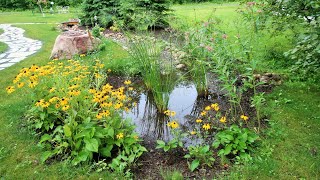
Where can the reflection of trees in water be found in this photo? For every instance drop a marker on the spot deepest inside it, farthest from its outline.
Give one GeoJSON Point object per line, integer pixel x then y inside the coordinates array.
{"type": "Point", "coordinates": [154, 123]}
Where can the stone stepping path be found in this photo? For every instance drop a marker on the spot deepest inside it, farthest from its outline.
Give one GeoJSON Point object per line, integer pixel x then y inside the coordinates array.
{"type": "Point", "coordinates": [20, 47]}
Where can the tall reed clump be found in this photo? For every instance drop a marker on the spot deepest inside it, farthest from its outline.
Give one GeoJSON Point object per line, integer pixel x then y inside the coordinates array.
{"type": "Point", "coordinates": [157, 73]}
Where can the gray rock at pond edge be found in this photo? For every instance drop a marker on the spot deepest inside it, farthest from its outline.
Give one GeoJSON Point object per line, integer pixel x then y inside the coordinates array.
{"type": "Point", "coordinates": [71, 43]}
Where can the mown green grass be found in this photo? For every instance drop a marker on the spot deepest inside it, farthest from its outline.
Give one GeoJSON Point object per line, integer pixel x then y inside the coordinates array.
{"type": "Point", "coordinates": [292, 150]}
{"type": "Point", "coordinates": [3, 46]}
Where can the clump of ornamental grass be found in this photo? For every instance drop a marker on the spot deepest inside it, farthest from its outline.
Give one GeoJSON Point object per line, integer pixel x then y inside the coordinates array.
{"type": "Point", "coordinates": [147, 52]}
{"type": "Point", "coordinates": [77, 114]}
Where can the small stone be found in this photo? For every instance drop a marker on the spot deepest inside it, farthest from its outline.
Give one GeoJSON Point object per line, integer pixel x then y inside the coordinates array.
{"type": "Point", "coordinates": [180, 66]}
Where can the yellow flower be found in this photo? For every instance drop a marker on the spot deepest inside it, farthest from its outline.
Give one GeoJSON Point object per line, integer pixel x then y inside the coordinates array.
{"type": "Point", "coordinates": [203, 113]}
{"type": "Point", "coordinates": [109, 70]}
{"type": "Point", "coordinates": [40, 102]}
{"type": "Point", "coordinates": [127, 82]}
{"type": "Point", "coordinates": [244, 117]}
{"type": "Point", "coordinates": [206, 126]}
{"type": "Point", "coordinates": [53, 99]}
{"type": "Point", "coordinates": [136, 137]}
{"type": "Point", "coordinates": [130, 88]}
{"type": "Point", "coordinates": [173, 124]}
{"type": "Point", "coordinates": [193, 132]}
{"type": "Point", "coordinates": [63, 101]}
{"type": "Point", "coordinates": [223, 119]}
{"type": "Point", "coordinates": [32, 84]}
{"type": "Point", "coordinates": [21, 84]}
{"type": "Point", "coordinates": [199, 121]}
{"type": "Point", "coordinates": [105, 113]}
{"type": "Point", "coordinates": [45, 104]}
{"type": "Point", "coordinates": [215, 106]}
{"type": "Point", "coordinates": [82, 55]}
{"type": "Point", "coordinates": [208, 108]}
{"type": "Point", "coordinates": [92, 91]}
{"type": "Point", "coordinates": [169, 113]}
{"type": "Point", "coordinates": [120, 136]}
{"type": "Point", "coordinates": [118, 105]}
{"type": "Point", "coordinates": [57, 106]}
{"type": "Point", "coordinates": [51, 90]}
{"type": "Point", "coordinates": [99, 116]}
{"type": "Point", "coordinates": [10, 89]}
{"type": "Point", "coordinates": [66, 107]}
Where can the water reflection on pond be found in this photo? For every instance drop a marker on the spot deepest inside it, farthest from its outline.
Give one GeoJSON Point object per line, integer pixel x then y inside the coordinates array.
{"type": "Point", "coordinates": [152, 124]}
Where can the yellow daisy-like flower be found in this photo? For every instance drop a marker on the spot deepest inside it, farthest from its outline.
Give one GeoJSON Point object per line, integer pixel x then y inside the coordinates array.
{"type": "Point", "coordinates": [51, 90]}
{"type": "Point", "coordinates": [99, 116]}
{"type": "Point", "coordinates": [208, 108]}
{"type": "Point", "coordinates": [206, 126]}
{"type": "Point", "coordinates": [215, 106]}
{"type": "Point", "coordinates": [223, 119]}
{"type": "Point", "coordinates": [63, 101]}
{"type": "Point", "coordinates": [173, 124]}
{"type": "Point", "coordinates": [203, 113]}
{"type": "Point", "coordinates": [57, 106]}
{"type": "Point", "coordinates": [127, 82]}
{"type": "Point", "coordinates": [66, 107]}
{"type": "Point", "coordinates": [130, 88]}
{"type": "Point", "coordinates": [120, 136]}
{"type": "Point", "coordinates": [10, 89]}
{"type": "Point", "coordinates": [193, 132]}
{"type": "Point", "coordinates": [199, 121]}
{"type": "Point", "coordinates": [109, 70]}
{"type": "Point", "coordinates": [21, 84]}
{"type": "Point", "coordinates": [82, 55]}
{"type": "Point", "coordinates": [33, 84]}
{"type": "Point", "coordinates": [244, 117]}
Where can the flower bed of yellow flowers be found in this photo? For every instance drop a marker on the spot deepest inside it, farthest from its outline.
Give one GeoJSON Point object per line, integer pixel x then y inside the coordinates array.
{"type": "Point", "coordinates": [76, 113]}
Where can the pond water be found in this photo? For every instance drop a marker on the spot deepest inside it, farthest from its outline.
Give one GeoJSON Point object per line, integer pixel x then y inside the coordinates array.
{"type": "Point", "coordinates": [184, 100]}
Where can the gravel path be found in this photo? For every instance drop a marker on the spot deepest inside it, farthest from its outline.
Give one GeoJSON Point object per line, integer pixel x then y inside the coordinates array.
{"type": "Point", "coordinates": [20, 47]}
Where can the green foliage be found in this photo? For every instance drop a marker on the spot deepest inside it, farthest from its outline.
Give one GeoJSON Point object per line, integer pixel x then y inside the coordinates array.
{"type": "Point", "coordinates": [201, 155]}
{"type": "Point", "coordinates": [127, 14]}
{"type": "Point", "coordinates": [236, 141]}
{"type": "Point", "coordinates": [305, 55]}
{"type": "Point", "coordinates": [98, 12]}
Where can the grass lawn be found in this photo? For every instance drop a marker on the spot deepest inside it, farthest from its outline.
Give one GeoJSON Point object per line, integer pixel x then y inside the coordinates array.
{"type": "Point", "coordinates": [290, 152]}
{"type": "Point", "coordinates": [3, 46]}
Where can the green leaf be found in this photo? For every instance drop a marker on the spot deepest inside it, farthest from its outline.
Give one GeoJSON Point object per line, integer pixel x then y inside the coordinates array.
{"type": "Point", "coordinates": [204, 149]}
{"type": "Point", "coordinates": [195, 163]}
{"type": "Point", "coordinates": [111, 132]}
{"type": "Point", "coordinates": [228, 149]}
{"type": "Point", "coordinates": [106, 152]}
{"type": "Point", "coordinates": [166, 148]}
{"type": "Point", "coordinates": [45, 137]}
{"type": "Point", "coordinates": [45, 156]}
{"type": "Point", "coordinates": [42, 116]}
{"type": "Point", "coordinates": [67, 130]}
{"type": "Point", "coordinates": [161, 143]}
{"type": "Point", "coordinates": [187, 156]}
{"type": "Point", "coordinates": [92, 145]}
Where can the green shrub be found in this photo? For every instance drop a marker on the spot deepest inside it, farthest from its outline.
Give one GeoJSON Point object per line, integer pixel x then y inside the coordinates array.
{"type": "Point", "coordinates": [235, 141]}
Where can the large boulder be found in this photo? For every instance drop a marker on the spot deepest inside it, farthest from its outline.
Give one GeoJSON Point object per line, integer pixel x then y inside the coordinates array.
{"type": "Point", "coordinates": [71, 43]}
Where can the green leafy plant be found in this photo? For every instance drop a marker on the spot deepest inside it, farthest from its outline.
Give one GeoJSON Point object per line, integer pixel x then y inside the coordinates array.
{"type": "Point", "coordinates": [235, 142]}
{"type": "Point", "coordinates": [201, 155]}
